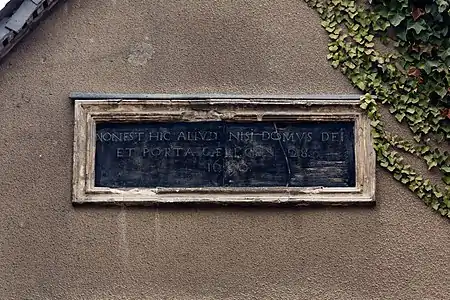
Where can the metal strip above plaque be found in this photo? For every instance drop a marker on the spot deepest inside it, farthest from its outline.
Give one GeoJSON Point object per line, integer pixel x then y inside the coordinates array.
{"type": "Point", "coordinates": [221, 148]}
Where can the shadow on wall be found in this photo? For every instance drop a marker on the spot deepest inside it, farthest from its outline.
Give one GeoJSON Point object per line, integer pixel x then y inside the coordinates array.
{"type": "Point", "coordinates": [229, 208]}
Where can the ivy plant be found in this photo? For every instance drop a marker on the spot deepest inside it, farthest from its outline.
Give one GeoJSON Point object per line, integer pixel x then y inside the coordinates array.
{"type": "Point", "coordinates": [412, 80]}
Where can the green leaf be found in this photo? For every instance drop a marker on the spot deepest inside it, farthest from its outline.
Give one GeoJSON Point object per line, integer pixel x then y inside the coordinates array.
{"type": "Point", "coordinates": [410, 110]}
{"type": "Point", "coordinates": [432, 164]}
{"type": "Point", "coordinates": [325, 23]}
{"type": "Point", "coordinates": [417, 26]}
{"type": "Point", "coordinates": [399, 116]}
{"type": "Point", "coordinates": [441, 91]}
{"type": "Point", "coordinates": [413, 187]}
{"type": "Point", "coordinates": [396, 19]}
{"type": "Point", "coordinates": [333, 48]}
{"type": "Point", "coordinates": [444, 53]}
{"type": "Point", "coordinates": [438, 194]}
{"type": "Point", "coordinates": [369, 37]}
{"type": "Point", "coordinates": [361, 85]}
{"type": "Point", "coordinates": [375, 123]}
{"type": "Point", "coordinates": [350, 64]}
{"type": "Point", "coordinates": [425, 149]}
{"type": "Point", "coordinates": [334, 36]}
{"type": "Point", "coordinates": [446, 179]}
{"type": "Point", "coordinates": [404, 180]}
{"type": "Point", "coordinates": [337, 30]}
{"type": "Point", "coordinates": [442, 5]}
{"type": "Point", "coordinates": [435, 206]}
{"type": "Point", "coordinates": [401, 34]}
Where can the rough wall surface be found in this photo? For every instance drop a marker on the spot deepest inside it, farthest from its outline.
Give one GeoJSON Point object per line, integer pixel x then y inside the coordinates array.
{"type": "Point", "coordinates": [52, 250]}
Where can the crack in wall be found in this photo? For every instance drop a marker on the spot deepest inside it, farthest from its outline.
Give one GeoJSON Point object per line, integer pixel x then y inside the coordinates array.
{"type": "Point", "coordinates": [288, 166]}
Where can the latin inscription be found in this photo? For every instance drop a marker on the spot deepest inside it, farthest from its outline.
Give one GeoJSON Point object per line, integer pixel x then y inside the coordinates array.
{"type": "Point", "coordinates": [225, 154]}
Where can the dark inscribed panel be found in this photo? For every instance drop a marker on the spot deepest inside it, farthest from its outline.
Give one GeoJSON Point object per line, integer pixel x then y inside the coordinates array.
{"type": "Point", "coordinates": [225, 154]}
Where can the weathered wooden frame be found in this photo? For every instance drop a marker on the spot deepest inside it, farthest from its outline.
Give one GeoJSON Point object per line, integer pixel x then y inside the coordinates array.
{"type": "Point", "coordinates": [91, 108]}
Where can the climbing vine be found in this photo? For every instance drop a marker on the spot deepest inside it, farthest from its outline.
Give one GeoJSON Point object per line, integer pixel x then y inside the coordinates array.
{"type": "Point", "coordinates": [399, 51]}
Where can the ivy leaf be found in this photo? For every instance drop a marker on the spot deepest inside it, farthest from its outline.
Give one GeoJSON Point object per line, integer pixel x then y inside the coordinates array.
{"type": "Point", "coordinates": [441, 91]}
{"type": "Point", "coordinates": [417, 26]}
{"type": "Point", "coordinates": [446, 179]}
{"type": "Point", "coordinates": [437, 194]}
{"type": "Point", "coordinates": [428, 65]}
{"type": "Point", "coordinates": [361, 85]}
{"type": "Point", "coordinates": [333, 48]}
{"type": "Point", "coordinates": [334, 36]}
{"type": "Point", "coordinates": [404, 180]}
{"type": "Point", "coordinates": [417, 13]}
{"type": "Point", "coordinates": [413, 187]}
{"type": "Point", "coordinates": [444, 31]}
{"type": "Point", "coordinates": [442, 5]}
{"type": "Point", "coordinates": [399, 116]}
{"type": "Point", "coordinates": [350, 65]}
{"type": "Point", "coordinates": [402, 35]}
{"type": "Point", "coordinates": [396, 19]}
{"type": "Point", "coordinates": [325, 23]}
{"type": "Point", "coordinates": [397, 176]}
{"type": "Point", "coordinates": [432, 64]}
{"type": "Point", "coordinates": [410, 110]}
{"type": "Point", "coordinates": [375, 123]}
{"type": "Point", "coordinates": [413, 72]}
{"type": "Point", "coordinates": [446, 111]}
{"type": "Point", "coordinates": [444, 54]}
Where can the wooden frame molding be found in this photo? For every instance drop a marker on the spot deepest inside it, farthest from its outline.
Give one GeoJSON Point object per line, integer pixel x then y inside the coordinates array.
{"type": "Point", "coordinates": [92, 108]}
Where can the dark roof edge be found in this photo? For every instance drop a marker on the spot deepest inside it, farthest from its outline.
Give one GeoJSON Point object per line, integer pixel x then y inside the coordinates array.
{"type": "Point", "coordinates": [18, 18]}
{"type": "Point", "coordinates": [104, 96]}
{"type": "Point", "coordinates": [9, 8]}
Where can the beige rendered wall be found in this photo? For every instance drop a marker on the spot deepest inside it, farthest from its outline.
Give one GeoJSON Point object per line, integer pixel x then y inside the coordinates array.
{"type": "Point", "coordinates": [52, 250]}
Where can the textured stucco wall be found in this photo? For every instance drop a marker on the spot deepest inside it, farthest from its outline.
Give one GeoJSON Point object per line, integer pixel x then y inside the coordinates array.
{"type": "Point", "coordinates": [52, 250]}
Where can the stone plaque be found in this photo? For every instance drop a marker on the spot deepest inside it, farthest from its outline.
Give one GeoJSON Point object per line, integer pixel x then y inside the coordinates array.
{"type": "Point", "coordinates": [170, 148]}
{"type": "Point", "coordinates": [225, 154]}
